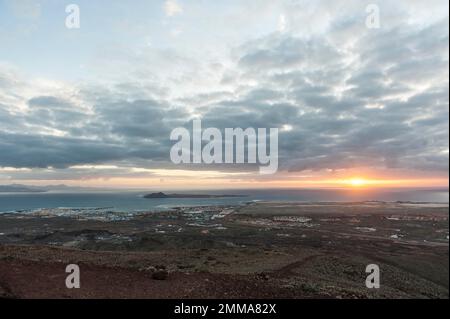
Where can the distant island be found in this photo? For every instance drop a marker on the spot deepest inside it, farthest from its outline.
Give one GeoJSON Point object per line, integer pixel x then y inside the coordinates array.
{"type": "Point", "coordinates": [163, 195]}
{"type": "Point", "coordinates": [19, 189]}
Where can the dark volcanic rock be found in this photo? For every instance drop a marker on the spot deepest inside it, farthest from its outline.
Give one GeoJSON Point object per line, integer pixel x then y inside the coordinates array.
{"type": "Point", "coordinates": [160, 275]}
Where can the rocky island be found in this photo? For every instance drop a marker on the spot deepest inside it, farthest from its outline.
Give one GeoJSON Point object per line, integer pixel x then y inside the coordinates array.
{"type": "Point", "coordinates": [163, 195]}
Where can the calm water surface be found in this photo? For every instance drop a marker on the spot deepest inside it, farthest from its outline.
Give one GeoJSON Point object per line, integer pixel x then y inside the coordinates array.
{"type": "Point", "coordinates": [128, 201]}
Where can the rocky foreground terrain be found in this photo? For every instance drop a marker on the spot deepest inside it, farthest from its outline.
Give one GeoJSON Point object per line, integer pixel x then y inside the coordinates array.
{"type": "Point", "coordinates": [259, 250]}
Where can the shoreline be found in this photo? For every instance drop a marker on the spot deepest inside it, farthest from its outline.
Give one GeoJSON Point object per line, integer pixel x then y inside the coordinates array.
{"type": "Point", "coordinates": [289, 202]}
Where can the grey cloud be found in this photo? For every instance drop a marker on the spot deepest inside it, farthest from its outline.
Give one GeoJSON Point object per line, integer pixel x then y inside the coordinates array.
{"type": "Point", "coordinates": [275, 53]}
{"type": "Point", "coordinates": [308, 84]}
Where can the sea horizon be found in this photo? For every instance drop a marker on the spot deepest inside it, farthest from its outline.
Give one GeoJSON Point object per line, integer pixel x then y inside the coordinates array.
{"type": "Point", "coordinates": [129, 200]}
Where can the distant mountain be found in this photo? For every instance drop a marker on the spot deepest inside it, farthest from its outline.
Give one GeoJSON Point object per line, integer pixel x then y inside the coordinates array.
{"type": "Point", "coordinates": [15, 188]}
{"type": "Point", "coordinates": [18, 188]}
{"type": "Point", "coordinates": [162, 195]}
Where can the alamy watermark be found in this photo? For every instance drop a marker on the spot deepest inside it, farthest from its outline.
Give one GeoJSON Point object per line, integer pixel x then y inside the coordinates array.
{"type": "Point", "coordinates": [73, 17]}
{"type": "Point", "coordinates": [73, 279]}
{"type": "Point", "coordinates": [373, 16]}
{"type": "Point", "coordinates": [373, 279]}
{"type": "Point", "coordinates": [235, 146]}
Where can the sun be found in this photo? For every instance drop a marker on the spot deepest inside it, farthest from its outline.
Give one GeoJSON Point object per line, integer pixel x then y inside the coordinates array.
{"type": "Point", "coordinates": [357, 182]}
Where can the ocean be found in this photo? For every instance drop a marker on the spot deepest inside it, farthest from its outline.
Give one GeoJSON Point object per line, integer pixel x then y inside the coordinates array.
{"type": "Point", "coordinates": [133, 201]}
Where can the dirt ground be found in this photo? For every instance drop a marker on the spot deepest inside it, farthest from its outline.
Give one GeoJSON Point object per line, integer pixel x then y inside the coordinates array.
{"type": "Point", "coordinates": [263, 250]}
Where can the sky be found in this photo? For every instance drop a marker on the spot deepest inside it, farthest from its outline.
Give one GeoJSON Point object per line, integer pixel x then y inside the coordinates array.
{"type": "Point", "coordinates": [94, 106]}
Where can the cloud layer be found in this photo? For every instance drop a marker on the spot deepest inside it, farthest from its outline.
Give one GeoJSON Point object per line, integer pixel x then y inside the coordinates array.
{"type": "Point", "coordinates": [343, 96]}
